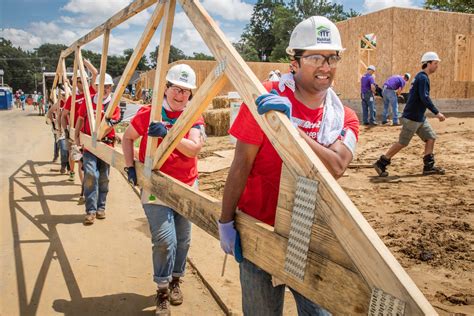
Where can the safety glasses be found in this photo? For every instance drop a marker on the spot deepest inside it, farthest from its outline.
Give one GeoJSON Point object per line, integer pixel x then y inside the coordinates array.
{"type": "Point", "coordinates": [318, 60]}
{"type": "Point", "coordinates": [178, 90]}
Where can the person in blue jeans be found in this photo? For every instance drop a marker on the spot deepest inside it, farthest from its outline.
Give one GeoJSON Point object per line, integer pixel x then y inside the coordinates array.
{"type": "Point", "coordinates": [391, 90]}
{"type": "Point", "coordinates": [170, 231]}
{"type": "Point", "coordinates": [254, 176]}
{"type": "Point", "coordinates": [367, 94]}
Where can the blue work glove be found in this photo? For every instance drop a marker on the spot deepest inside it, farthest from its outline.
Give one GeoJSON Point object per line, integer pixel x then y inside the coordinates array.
{"type": "Point", "coordinates": [273, 102]}
{"type": "Point", "coordinates": [111, 122]}
{"type": "Point", "coordinates": [230, 240]}
{"type": "Point", "coordinates": [131, 175]}
{"type": "Point", "coordinates": [157, 129]}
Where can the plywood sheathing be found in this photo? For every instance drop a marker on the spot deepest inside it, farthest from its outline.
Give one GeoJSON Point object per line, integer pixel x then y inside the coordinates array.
{"type": "Point", "coordinates": [403, 35]}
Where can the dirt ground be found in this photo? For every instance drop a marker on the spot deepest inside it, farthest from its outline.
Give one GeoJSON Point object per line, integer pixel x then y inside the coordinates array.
{"type": "Point", "coordinates": [51, 264]}
{"type": "Point", "coordinates": [426, 221]}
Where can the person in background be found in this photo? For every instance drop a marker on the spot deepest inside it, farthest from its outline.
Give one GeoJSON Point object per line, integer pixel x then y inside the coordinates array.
{"type": "Point", "coordinates": [392, 88]}
{"type": "Point", "coordinates": [414, 120]}
{"type": "Point", "coordinates": [367, 94]}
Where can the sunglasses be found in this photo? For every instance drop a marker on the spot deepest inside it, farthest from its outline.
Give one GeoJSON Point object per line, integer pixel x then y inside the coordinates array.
{"type": "Point", "coordinates": [318, 60]}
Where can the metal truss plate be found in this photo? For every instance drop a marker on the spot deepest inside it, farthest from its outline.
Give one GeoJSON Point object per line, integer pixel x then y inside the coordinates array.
{"type": "Point", "coordinates": [300, 229]}
{"type": "Point", "coordinates": [384, 304]}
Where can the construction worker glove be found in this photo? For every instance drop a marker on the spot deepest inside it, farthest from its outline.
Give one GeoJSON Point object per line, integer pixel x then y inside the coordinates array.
{"type": "Point", "coordinates": [230, 240]}
{"type": "Point", "coordinates": [131, 175]}
{"type": "Point", "coordinates": [273, 102]}
{"type": "Point", "coordinates": [111, 122]}
{"type": "Point", "coordinates": [157, 129]}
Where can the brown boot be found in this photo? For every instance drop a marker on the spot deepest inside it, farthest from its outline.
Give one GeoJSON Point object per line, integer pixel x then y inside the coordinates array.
{"type": "Point", "coordinates": [89, 219]}
{"type": "Point", "coordinates": [176, 296]}
{"type": "Point", "coordinates": [100, 214]}
{"type": "Point", "coordinates": [162, 303]}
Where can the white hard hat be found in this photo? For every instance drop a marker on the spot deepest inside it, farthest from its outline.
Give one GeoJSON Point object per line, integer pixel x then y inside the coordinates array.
{"type": "Point", "coordinates": [315, 33]}
{"type": "Point", "coordinates": [371, 67]}
{"type": "Point", "coordinates": [429, 56]}
{"type": "Point", "coordinates": [108, 80]}
{"type": "Point", "coordinates": [78, 74]}
{"type": "Point", "coordinates": [182, 75]}
{"type": "Point", "coordinates": [407, 75]}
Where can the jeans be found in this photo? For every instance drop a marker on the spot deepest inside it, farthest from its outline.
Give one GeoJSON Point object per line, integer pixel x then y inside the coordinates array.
{"type": "Point", "coordinates": [259, 297]}
{"type": "Point", "coordinates": [63, 149]}
{"type": "Point", "coordinates": [368, 107]}
{"type": "Point", "coordinates": [56, 147]}
{"type": "Point", "coordinates": [390, 99]}
{"type": "Point", "coordinates": [171, 237]}
{"type": "Point", "coordinates": [96, 182]}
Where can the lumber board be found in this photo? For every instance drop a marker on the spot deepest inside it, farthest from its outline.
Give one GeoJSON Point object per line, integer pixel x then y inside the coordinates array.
{"type": "Point", "coordinates": [342, 291]}
{"type": "Point", "coordinates": [103, 71]}
{"type": "Point", "coordinates": [142, 44]}
{"type": "Point", "coordinates": [87, 93]}
{"type": "Point", "coordinates": [129, 11]}
{"type": "Point", "coordinates": [72, 113]}
{"type": "Point", "coordinates": [159, 82]}
{"type": "Point", "coordinates": [373, 259]}
{"type": "Point", "coordinates": [323, 241]}
{"type": "Point", "coordinates": [209, 89]}
{"type": "Point", "coordinates": [67, 90]}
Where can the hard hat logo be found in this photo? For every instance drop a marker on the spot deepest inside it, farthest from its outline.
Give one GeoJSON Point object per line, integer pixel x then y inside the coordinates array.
{"type": "Point", "coordinates": [184, 76]}
{"type": "Point", "coordinates": [323, 35]}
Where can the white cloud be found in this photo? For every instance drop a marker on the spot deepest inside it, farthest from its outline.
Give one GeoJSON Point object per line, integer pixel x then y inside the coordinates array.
{"type": "Point", "coordinates": [25, 40]}
{"type": "Point", "coordinates": [229, 9]}
{"type": "Point", "coordinates": [105, 8]}
{"type": "Point", "coordinates": [374, 5]}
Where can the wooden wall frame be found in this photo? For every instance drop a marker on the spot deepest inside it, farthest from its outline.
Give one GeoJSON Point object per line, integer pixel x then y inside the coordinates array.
{"type": "Point", "coordinates": [347, 260]}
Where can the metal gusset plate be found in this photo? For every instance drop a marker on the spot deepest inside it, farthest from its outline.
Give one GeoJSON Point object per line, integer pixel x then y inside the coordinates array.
{"type": "Point", "coordinates": [384, 304]}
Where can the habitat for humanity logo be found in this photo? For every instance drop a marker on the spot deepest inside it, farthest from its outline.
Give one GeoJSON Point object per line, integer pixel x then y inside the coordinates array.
{"type": "Point", "coordinates": [323, 35]}
{"type": "Point", "coordinates": [184, 76]}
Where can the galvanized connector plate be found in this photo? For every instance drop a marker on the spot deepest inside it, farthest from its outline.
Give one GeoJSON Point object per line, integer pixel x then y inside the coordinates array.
{"type": "Point", "coordinates": [384, 304]}
{"type": "Point", "coordinates": [300, 230]}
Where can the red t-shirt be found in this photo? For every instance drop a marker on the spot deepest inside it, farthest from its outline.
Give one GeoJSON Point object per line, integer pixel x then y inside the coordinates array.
{"type": "Point", "coordinates": [260, 196]}
{"type": "Point", "coordinates": [83, 113]}
{"type": "Point", "coordinates": [80, 100]}
{"type": "Point", "coordinates": [178, 165]}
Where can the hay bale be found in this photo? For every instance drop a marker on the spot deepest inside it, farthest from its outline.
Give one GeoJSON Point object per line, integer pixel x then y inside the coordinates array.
{"type": "Point", "coordinates": [217, 122]}
{"type": "Point", "coordinates": [220, 102]}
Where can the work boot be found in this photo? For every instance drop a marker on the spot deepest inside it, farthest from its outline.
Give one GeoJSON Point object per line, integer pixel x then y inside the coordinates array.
{"type": "Point", "coordinates": [381, 165]}
{"type": "Point", "coordinates": [89, 219]}
{"type": "Point", "coordinates": [162, 303]}
{"type": "Point", "coordinates": [100, 214]}
{"type": "Point", "coordinates": [176, 296]}
{"type": "Point", "coordinates": [429, 167]}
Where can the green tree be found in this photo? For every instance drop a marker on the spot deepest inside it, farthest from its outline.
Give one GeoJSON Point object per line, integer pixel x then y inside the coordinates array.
{"type": "Point", "coordinates": [142, 64]}
{"type": "Point", "coordinates": [19, 71]}
{"type": "Point", "coordinates": [245, 50]}
{"type": "Point", "coordinates": [284, 22]}
{"type": "Point", "coordinates": [175, 54]}
{"type": "Point", "coordinates": [466, 6]}
{"type": "Point", "coordinates": [201, 56]}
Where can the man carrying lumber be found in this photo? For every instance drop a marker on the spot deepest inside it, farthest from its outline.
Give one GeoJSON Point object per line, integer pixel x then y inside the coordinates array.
{"type": "Point", "coordinates": [53, 115]}
{"type": "Point", "coordinates": [96, 171]}
{"type": "Point", "coordinates": [392, 88]}
{"type": "Point", "coordinates": [329, 128]}
{"type": "Point", "coordinates": [414, 120]}
{"type": "Point", "coordinates": [170, 231]}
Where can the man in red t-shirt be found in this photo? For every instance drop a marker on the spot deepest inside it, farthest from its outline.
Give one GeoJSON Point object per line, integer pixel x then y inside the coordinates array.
{"type": "Point", "coordinates": [170, 231]}
{"type": "Point", "coordinates": [96, 171]}
{"type": "Point", "coordinates": [329, 128]}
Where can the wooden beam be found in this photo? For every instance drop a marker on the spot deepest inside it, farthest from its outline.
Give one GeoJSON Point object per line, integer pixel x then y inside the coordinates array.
{"type": "Point", "coordinates": [129, 11]}
{"type": "Point", "coordinates": [159, 83]}
{"type": "Point", "coordinates": [72, 113]}
{"type": "Point", "coordinates": [343, 291]}
{"type": "Point", "coordinates": [375, 262]}
{"type": "Point", "coordinates": [103, 68]}
{"type": "Point", "coordinates": [65, 81]}
{"type": "Point", "coordinates": [87, 94]}
{"type": "Point", "coordinates": [131, 65]}
{"type": "Point", "coordinates": [368, 43]}
{"type": "Point", "coordinates": [209, 89]}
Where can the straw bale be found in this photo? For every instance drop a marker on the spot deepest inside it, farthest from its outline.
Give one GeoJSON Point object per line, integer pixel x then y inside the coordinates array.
{"type": "Point", "coordinates": [217, 122]}
{"type": "Point", "coordinates": [220, 102]}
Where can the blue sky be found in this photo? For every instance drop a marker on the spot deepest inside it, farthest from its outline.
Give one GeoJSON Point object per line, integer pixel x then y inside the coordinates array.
{"type": "Point", "coordinates": [30, 23]}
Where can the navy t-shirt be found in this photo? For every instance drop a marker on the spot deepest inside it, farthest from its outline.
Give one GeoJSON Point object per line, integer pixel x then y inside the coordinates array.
{"type": "Point", "coordinates": [419, 99]}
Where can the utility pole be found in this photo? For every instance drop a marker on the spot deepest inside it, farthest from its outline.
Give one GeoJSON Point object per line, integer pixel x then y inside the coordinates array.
{"type": "Point", "coordinates": [1, 74]}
